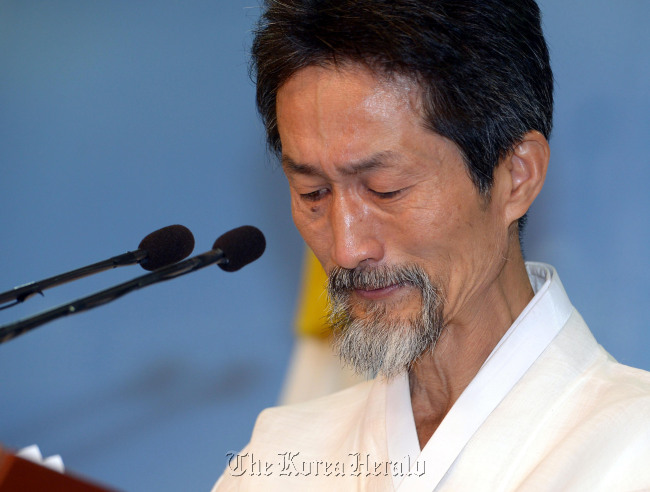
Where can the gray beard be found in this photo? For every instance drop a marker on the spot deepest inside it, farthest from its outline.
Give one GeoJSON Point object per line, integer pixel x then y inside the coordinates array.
{"type": "Point", "coordinates": [378, 343]}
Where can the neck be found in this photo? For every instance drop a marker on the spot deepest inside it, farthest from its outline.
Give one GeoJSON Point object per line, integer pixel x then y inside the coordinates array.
{"type": "Point", "coordinates": [439, 377]}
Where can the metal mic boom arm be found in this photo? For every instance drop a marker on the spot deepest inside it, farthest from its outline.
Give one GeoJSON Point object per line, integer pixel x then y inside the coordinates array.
{"type": "Point", "coordinates": [12, 330]}
{"type": "Point", "coordinates": [25, 291]}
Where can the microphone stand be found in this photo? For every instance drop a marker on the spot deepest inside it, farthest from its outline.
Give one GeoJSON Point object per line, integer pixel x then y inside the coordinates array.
{"type": "Point", "coordinates": [12, 330]}
{"type": "Point", "coordinates": [23, 292]}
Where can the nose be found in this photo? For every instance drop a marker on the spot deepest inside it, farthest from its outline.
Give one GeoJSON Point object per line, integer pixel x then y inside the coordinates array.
{"type": "Point", "coordinates": [355, 232]}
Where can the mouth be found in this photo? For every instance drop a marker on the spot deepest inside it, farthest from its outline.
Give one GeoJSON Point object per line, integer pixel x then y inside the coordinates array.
{"type": "Point", "coordinates": [377, 294]}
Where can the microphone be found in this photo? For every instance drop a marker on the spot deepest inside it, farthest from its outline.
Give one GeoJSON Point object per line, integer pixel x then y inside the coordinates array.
{"type": "Point", "coordinates": [160, 248]}
{"type": "Point", "coordinates": [240, 247]}
{"type": "Point", "coordinates": [166, 246]}
{"type": "Point", "coordinates": [231, 251]}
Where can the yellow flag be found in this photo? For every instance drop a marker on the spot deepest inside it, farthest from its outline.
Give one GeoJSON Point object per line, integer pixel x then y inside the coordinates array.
{"type": "Point", "coordinates": [311, 315]}
{"type": "Point", "coordinates": [314, 369]}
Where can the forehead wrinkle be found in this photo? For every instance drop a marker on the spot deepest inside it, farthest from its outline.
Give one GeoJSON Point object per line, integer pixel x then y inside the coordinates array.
{"type": "Point", "coordinates": [379, 160]}
{"type": "Point", "coordinates": [292, 167]}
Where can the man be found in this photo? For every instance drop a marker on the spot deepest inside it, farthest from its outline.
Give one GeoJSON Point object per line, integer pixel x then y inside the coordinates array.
{"type": "Point", "coordinates": [414, 138]}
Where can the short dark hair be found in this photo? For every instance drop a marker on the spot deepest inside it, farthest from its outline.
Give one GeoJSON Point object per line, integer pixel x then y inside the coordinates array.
{"type": "Point", "coordinates": [482, 65]}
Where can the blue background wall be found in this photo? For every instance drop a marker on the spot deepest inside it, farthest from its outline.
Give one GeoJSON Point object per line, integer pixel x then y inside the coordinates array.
{"type": "Point", "coordinates": [120, 117]}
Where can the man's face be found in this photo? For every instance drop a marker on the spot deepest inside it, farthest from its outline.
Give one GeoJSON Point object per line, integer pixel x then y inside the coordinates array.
{"type": "Point", "coordinates": [373, 190]}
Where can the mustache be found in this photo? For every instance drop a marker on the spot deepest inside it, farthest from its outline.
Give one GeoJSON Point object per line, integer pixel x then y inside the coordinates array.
{"type": "Point", "coordinates": [341, 280]}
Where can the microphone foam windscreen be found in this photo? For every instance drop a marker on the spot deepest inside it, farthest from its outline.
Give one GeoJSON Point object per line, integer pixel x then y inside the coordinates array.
{"type": "Point", "coordinates": [166, 246]}
{"type": "Point", "coordinates": [240, 246]}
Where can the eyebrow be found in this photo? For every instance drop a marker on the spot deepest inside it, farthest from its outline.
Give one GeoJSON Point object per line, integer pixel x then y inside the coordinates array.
{"type": "Point", "coordinates": [376, 161]}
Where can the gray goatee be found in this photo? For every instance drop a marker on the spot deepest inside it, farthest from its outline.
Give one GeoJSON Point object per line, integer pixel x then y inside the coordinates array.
{"type": "Point", "coordinates": [379, 342]}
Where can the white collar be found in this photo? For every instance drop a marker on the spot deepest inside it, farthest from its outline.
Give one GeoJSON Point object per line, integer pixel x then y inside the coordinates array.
{"type": "Point", "coordinates": [520, 346]}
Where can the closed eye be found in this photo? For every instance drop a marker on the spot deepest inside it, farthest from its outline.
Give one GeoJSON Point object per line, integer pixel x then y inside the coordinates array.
{"type": "Point", "coordinates": [314, 196]}
{"type": "Point", "coordinates": [385, 195]}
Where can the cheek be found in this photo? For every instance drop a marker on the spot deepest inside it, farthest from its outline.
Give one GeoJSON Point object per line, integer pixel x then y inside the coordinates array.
{"type": "Point", "coordinates": [428, 225]}
{"type": "Point", "coordinates": [313, 231]}
{"type": "Point", "coordinates": [302, 223]}
{"type": "Point", "coordinates": [448, 233]}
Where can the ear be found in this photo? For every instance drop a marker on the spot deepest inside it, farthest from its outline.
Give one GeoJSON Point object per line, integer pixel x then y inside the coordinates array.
{"type": "Point", "coordinates": [520, 176]}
